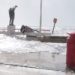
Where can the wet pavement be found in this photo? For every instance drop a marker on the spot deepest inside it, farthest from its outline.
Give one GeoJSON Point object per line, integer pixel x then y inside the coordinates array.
{"type": "Point", "coordinates": [11, 70]}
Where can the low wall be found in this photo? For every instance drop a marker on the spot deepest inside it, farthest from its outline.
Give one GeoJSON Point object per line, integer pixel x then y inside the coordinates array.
{"type": "Point", "coordinates": [55, 39]}
{"type": "Point", "coordinates": [44, 60]}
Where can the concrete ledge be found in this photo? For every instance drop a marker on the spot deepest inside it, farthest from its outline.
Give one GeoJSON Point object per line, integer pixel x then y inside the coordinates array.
{"type": "Point", "coordinates": [43, 60]}
{"type": "Point", "coordinates": [57, 39]}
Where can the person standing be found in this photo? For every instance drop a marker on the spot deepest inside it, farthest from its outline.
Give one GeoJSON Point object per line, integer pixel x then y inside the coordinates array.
{"type": "Point", "coordinates": [12, 15]}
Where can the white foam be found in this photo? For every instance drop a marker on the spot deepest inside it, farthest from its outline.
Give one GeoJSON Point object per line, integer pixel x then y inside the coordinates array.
{"type": "Point", "coordinates": [12, 44]}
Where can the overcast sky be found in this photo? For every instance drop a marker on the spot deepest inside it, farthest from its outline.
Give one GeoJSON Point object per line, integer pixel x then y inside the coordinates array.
{"type": "Point", "coordinates": [28, 12]}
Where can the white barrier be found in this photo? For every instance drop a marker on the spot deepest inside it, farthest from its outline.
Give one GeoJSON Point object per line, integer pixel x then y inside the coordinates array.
{"type": "Point", "coordinates": [43, 60]}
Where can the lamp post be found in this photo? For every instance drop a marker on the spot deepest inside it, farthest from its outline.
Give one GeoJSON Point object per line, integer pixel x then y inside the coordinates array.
{"type": "Point", "coordinates": [40, 16]}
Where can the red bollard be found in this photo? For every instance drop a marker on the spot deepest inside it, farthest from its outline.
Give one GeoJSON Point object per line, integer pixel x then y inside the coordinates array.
{"type": "Point", "coordinates": [70, 58]}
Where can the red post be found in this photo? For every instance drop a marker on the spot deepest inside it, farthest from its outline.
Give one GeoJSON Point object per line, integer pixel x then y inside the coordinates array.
{"type": "Point", "coordinates": [70, 56]}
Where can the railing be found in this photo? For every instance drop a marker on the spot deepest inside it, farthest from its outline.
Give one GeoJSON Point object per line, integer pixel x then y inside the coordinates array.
{"type": "Point", "coordinates": [62, 31]}
{"type": "Point", "coordinates": [2, 30]}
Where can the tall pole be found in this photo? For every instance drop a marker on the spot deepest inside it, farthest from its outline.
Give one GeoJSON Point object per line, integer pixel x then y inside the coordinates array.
{"type": "Point", "coordinates": [40, 16]}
